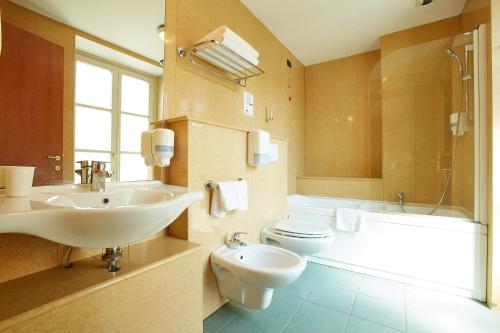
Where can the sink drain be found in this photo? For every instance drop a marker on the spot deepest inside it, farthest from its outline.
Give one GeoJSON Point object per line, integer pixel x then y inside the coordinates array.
{"type": "Point", "coordinates": [105, 200]}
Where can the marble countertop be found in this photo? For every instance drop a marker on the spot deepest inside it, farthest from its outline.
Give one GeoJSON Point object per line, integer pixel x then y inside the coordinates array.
{"type": "Point", "coordinates": [37, 293]}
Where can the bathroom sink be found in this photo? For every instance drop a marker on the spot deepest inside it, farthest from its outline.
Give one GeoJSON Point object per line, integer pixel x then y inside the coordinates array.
{"type": "Point", "coordinates": [110, 199]}
{"type": "Point", "coordinates": [127, 212]}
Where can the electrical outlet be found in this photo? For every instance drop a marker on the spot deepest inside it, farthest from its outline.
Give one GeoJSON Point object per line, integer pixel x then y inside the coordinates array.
{"type": "Point", "coordinates": [247, 104]}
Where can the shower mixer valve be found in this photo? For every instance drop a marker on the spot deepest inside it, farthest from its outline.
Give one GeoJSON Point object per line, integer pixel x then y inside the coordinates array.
{"type": "Point", "coordinates": [401, 197]}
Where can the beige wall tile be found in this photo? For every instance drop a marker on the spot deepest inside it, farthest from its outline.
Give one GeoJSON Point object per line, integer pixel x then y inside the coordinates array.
{"type": "Point", "coordinates": [340, 98]}
{"type": "Point", "coordinates": [23, 254]}
{"type": "Point", "coordinates": [177, 172]}
{"type": "Point", "coordinates": [204, 96]}
{"type": "Point", "coordinates": [416, 103]}
{"type": "Point", "coordinates": [159, 304]}
{"type": "Point", "coordinates": [493, 289]}
{"type": "Point", "coordinates": [350, 188]}
{"type": "Point", "coordinates": [228, 161]}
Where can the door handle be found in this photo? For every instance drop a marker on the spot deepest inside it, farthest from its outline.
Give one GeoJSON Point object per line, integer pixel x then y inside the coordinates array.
{"type": "Point", "coordinates": [57, 157]}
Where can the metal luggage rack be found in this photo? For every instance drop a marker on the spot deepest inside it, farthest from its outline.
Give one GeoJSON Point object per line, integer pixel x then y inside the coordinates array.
{"type": "Point", "coordinates": [224, 62]}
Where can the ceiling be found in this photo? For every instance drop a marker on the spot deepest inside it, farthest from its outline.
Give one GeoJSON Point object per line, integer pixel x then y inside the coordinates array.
{"type": "Point", "coordinates": [319, 30]}
{"type": "Point", "coordinates": [130, 24]}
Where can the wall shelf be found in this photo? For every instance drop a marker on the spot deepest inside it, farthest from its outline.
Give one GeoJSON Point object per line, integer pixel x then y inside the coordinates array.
{"type": "Point", "coordinates": [221, 61]}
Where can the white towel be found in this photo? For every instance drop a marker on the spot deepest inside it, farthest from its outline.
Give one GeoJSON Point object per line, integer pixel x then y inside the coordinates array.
{"type": "Point", "coordinates": [229, 196]}
{"type": "Point", "coordinates": [349, 219]}
{"type": "Point", "coordinates": [234, 42]}
{"type": "Point", "coordinates": [223, 33]}
{"type": "Point", "coordinates": [215, 206]}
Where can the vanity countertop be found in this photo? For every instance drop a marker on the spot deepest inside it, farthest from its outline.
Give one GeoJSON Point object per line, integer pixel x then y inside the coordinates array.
{"type": "Point", "coordinates": [31, 295]}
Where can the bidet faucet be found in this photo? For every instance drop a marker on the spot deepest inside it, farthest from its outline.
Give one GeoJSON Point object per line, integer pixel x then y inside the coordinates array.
{"type": "Point", "coordinates": [235, 242]}
{"type": "Point", "coordinates": [99, 175]}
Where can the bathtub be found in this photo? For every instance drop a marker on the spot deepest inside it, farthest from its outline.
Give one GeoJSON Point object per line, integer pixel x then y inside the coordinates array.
{"type": "Point", "coordinates": [445, 251]}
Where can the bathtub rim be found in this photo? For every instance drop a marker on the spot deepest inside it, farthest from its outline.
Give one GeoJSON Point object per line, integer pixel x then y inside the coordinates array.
{"type": "Point", "coordinates": [459, 224]}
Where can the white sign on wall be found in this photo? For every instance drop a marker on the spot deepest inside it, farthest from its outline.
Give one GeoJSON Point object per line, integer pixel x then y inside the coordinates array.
{"type": "Point", "coordinates": [247, 104]}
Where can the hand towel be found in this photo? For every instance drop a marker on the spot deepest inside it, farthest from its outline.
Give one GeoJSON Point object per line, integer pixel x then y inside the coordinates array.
{"type": "Point", "coordinates": [216, 206]}
{"type": "Point", "coordinates": [229, 196]}
{"type": "Point", "coordinates": [349, 219]}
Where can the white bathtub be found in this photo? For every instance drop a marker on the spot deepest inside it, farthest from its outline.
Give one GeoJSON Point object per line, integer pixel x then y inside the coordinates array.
{"type": "Point", "coordinates": [446, 251]}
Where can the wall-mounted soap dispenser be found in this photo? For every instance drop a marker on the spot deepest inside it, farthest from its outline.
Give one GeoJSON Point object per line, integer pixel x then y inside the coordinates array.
{"type": "Point", "coordinates": [157, 147]}
{"type": "Point", "coordinates": [258, 148]}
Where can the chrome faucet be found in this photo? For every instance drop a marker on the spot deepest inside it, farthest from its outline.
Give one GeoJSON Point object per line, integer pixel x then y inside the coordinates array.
{"type": "Point", "coordinates": [401, 197]}
{"type": "Point", "coordinates": [85, 171]}
{"type": "Point", "coordinates": [99, 175]}
{"type": "Point", "coordinates": [235, 242]}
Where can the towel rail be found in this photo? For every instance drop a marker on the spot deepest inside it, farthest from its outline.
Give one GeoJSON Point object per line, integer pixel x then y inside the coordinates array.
{"type": "Point", "coordinates": [224, 62]}
{"type": "Point", "coordinates": [211, 185]}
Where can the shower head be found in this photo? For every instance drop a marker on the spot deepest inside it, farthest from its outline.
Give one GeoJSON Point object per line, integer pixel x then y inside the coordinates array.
{"type": "Point", "coordinates": [453, 55]}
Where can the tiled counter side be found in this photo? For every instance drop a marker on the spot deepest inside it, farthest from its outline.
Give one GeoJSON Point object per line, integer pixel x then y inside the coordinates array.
{"type": "Point", "coordinates": [158, 289]}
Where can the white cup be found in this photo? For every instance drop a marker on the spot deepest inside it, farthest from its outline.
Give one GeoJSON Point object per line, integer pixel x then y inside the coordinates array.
{"type": "Point", "coordinates": [18, 180]}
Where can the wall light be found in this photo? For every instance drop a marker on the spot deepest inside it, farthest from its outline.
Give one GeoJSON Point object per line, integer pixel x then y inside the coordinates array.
{"type": "Point", "coordinates": [161, 31]}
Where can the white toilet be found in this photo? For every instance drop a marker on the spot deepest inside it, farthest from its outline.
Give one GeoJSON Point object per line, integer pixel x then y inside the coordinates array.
{"type": "Point", "coordinates": [298, 236]}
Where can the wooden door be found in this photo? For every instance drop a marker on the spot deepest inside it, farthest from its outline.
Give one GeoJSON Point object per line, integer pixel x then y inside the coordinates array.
{"type": "Point", "coordinates": [31, 103]}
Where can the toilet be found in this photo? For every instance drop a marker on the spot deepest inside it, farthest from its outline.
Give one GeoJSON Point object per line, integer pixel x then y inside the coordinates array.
{"type": "Point", "coordinates": [298, 236]}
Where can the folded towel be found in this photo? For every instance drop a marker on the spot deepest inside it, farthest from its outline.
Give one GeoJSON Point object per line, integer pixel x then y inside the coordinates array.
{"type": "Point", "coordinates": [349, 219]}
{"type": "Point", "coordinates": [224, 34]}
{"type": "Point", "coordinates": [234, 42]}
{"type": "Point", "coordinates": [229, 196]}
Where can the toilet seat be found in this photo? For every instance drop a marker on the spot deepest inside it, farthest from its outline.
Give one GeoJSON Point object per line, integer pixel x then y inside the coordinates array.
{"type": "Point", "coordinates": [288, 234]}
{"type": "Point", "coordinates": [298, 236]}
{"type": "Point", "coordinates": [301, 229]}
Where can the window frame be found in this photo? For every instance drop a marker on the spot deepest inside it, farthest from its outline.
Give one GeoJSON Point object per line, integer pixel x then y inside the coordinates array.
{"type": "Point", "coordinates": [116, 112]}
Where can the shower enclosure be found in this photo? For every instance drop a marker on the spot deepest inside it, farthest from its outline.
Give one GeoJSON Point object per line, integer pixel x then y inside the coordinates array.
{"type": "Point", "coordinates": [425, 220]}
{"type": "Point", "coordinates": [432, 145]}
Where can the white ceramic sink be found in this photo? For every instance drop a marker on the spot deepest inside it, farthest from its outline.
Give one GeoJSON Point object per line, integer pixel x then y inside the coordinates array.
{"type": "Point", "coordinates": [127, 212]}
{"type": "Point", "coordinates": [249, 274]}
{"type": "Point", "coordinates": [110, 199]}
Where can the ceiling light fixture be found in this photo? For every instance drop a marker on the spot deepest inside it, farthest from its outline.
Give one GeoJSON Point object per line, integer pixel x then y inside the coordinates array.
{"type": "Point", "coordinates": [424, 2]}
{"type": "Point", "coordinates": [161, 31]}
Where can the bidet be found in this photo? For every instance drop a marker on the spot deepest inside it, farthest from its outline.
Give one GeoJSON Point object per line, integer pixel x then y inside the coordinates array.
{"type": "Point", "coordinates": [248, 275]}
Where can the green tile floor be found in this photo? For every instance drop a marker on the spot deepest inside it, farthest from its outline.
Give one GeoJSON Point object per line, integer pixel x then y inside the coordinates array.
{"type": "Point", "coordinates": [326, 299]}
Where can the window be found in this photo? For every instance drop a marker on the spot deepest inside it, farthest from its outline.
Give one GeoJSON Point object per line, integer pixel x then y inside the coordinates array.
{"type": "Point", "coordinates": [113, 106]}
